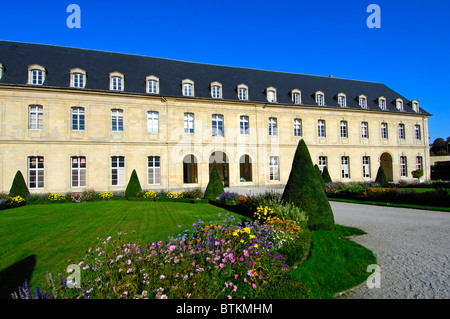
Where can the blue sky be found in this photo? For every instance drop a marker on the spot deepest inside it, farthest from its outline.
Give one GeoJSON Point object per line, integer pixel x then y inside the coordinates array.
{"type": "Point", "coordinates": [409, 53]}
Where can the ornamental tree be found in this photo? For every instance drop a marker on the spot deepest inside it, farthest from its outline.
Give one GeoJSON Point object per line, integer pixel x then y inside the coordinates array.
{"type": "Point", "coordinates": [304, 190]}
{"type": "Point", "coordinates": [19, 187]}
{"type": "Point", "coordinates": [215, 186]}
{"type": "Point", "coordinates": [133, 187]}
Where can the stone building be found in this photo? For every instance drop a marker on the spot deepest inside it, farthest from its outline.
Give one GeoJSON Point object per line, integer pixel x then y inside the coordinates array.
{"type": "Point", "coordinates": [75, 119]}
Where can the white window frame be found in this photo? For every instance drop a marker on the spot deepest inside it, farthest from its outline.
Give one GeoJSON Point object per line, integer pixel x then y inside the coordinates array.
{"type": "Point", "coordinates": [417, 132]}
{"type": "Point", "coordinates": [218, 125]}
{"type": "Point", "coordinates": [298, 128]}
{"type": "Point", "coordinates": [273, 126]}
{"type": "Point", "coordinates": [36, 74]}
{"type": "Point", "coordinates": [344, 129]}
{"type": "Point", "coordinates": [320, 98]}
{"type": "Point", "coordinates": [342, 100]}
{"type": "Point", "coordinates": [271, 94]}
{"type": "Point", "coordinates": [321, 128]}
{"type": "Point", "coordinates": [382, 103]}
{"type": "Point", "coordinates": [401, 131]}
{"type": "Point", "coordinates": [364, 129]}
{"type": "Point", "coordinates": [362, 100]}
{"type": "Point", "coordinates": [153, 170]}
{"type": "Point", "coordinates": [323, 162]}
{"type": "Point", "coordinates": [345, 167]}
{"type": "Point", "coordinates": [216, 90]}
{"type": "Point", "coordinates": [116, 81]}
{"type": "Point", "coordinates": [78, 78]}
{"type": "Point", "coordinates": [399, 105]}
{"type": "Point", "coordinates": [244, 125]}
{"type": "Point", "coordinates": [117, 171]}
{"type": "Point", "coordinates": [384, 131]}
{"type": "Point", "coordinates": [2, 71]}
{"type": "Point", "coordinates": [35, 117]}
{"type": "Point", "coordinates": [152, 122]}
{"type": "Point", "coordinates": [188, 87]}
{"type": "Point", "coordinates": [296, 96]}
{"type": "Point", "coordinates": [78, 118]}
{"type": "Point", "coordinates": [274, 168]}
{"type": "Point", "coordinates": [78, 170]}
{"type": "Point", "coordinates": [242, 90]}
{"type": "Point", "coordinates": [37, 172]}
{"type": "Point", "coordinates": [117, 120]}
{"type": "Point", "coordinates": [415, 105]}
{"type": "Point", "coordinates": [189, 123]}
{"type": "Point", "coordinates": [403, 166]}
{"type": "Point", "coordinates": [366, 166]}
{"type": "Point", "coordinates": [152, 84]}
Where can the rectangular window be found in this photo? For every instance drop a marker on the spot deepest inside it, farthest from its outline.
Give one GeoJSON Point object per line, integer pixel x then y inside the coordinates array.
{"type": "Point", "coordinates": [152, 122]}
{"type": "Point", "coordinates": [363, 102]}
{"type": "Point", "coordinates": [364, 130]}
{"type": "Point", "coordinates": [382, 104]}
{"type": "Point", "coordinates": [117, 120]}
{"type": "Point", "coordinates": [78, 80]}
{"type": "Point", "coordinates": [321, 128]}
{"type": "Point", "coordinates": [400, 105]}
{"type": "Point", "coordinates": [187, 89]}
{"type": "Point", "coordinates": [78, 119]}
{"type": "Point", "coordinates": [417, 132]}
{"type": "Point", "coordinates": [244, 125]}
{"type": "Point", "coordinates": [344, 129]}
{"type": "Point", "coordinates": [116, 83]}
{"type": "Point", "coordinates": [216, 92]}
{"type": "Point", "coordinates": [403, 166]}
{"type": "Point", "coordinates": [384, 131]}
{"type": "Point", "coordinates": [36, 117]}
{"type": "Point", "coordinates": [297, 127]}
{"type": "Point", "coordinates": [37, 77]}
{"type": "Point", "coordinates": [274, 169]}
{"type": "Point", "coordinates": [35, 172]}
{"type": "Point", "coordinates": [273, 126]}
{"type": "Point", "coordinates": [189, 123]}
{"type": "Point", "coordinates": [345, 167]}
{"type": "Point", "coordinates": [242, 94]}
{"type": "Point", "coordinates": [117, 171]}
{"type": "Point", "coordinates": [152, 86]}
{"type": "Point", "coordinates": [217, 125]}
{"type": "Point", "coordinates": [319, 99]}
{"type": "Point", "coordinates": [154, 170]}
{"type": "Point", "coordinates": [78, 171]}
{"type": "Point", "coordinates": [366, 166]}
{"type": "Point", "coordinates": [419, 162]}
{"type": "Point", "coordinates": [341, 101]}
{"type": "Point", "coordinates": [322, 163]}
{"type": "Point", "coordinates": [401, 131]}
{"type": "Point", "coordinates": [296, 98]}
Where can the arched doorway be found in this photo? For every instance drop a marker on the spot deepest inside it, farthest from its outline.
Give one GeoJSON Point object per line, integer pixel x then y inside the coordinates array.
{"type": "Point", "coordinates": [190, 171]}
{"type": "Point", "coordinates": [220, 160]}
{"type": "Point", "coordinates": [386, 163]}
{"type": "Point", "coordinates": [245, 168]}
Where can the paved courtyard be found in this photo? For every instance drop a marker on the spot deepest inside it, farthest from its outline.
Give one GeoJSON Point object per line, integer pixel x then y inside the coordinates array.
{"type": "Point", "coordinates": [412, 248]}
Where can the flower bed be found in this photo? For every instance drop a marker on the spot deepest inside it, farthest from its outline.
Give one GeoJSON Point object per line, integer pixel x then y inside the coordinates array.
{"type": "Point", "coordinates": [12, 202]}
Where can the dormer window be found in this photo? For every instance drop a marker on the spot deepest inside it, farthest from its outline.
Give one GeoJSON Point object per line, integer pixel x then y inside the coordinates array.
{"type": "Point", "coordinates": [362, 99]}
{"type": "Point", "coordinates": [77, 78]}
{"type": "Point", "coordinates": [415, 105]}
{"type": "Point", "coordinates": [116, 81]}
{"type": "Point", "coordinates": [36, 74]}
{"type": "Point", "coordinates": [342, 100]}
{"type": "Point", "coordinates": [242, 90]}
{"type": "Point", "coordinates": [2, 70]}
{"type": "Point", "coordinates": [382, 103]}
{"type": "Point", "coordinates": [320, 98]}
{"type": "Point", "coordinates": [296, 96]}
{"type": "Point", "coordinates": [152, 84]}
{"type": "Point", "coordinates": [188, 87]}
{"type": "Point", "coordinates": [399, 104]}
{"type": "Point", "coordinates": [271, 94]}
{"type": "Point", "coordinates": [216, 90]}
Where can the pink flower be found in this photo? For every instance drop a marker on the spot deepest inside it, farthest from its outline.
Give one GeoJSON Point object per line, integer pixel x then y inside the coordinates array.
{"type": "Point", "coordinates": [172, 247]}
{"type": "Point", "coordinates": [221, 265]}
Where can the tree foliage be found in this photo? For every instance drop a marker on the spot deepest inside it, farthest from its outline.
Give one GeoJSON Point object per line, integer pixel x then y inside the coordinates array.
{"type": "Point", "coordinates": [215, 186]}
{"type": "Point", "coordinates": [133, 186]}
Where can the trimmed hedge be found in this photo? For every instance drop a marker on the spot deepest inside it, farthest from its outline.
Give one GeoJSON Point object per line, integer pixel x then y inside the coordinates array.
{"type": "Point", "coordinates": [215, 187]}
{"type": "Point", "coordinates": [19, 187]}
{"type": "Point", "coordinates": [133, 187]}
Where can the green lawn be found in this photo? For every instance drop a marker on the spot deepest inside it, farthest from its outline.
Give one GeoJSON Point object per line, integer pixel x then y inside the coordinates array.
{"type": "Point", "coordinates": [50, 235]}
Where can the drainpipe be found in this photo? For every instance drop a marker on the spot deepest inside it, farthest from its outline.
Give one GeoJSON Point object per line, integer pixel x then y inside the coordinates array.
{"type": "Point", "coordinates": [163, 99]}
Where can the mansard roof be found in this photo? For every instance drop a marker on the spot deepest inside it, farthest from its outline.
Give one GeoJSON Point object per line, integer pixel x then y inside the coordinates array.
{"type": "Point", "coordinates": [58, 61]}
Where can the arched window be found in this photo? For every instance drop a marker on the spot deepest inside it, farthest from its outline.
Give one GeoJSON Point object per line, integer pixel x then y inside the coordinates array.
{"type": "Point", "coordinates": [245, 168]}
{"type": "Point", "coordinates": [190, 172]}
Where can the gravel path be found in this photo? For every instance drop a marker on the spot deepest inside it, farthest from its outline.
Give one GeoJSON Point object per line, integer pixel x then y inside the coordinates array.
{"type": "Point", "coordinates": [412, 249]}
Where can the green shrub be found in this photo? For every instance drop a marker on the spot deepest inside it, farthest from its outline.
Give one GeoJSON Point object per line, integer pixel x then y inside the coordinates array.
{"type": "Point", "coordinates": [19, 187]}
{"type": "Point", "coordinates": [418, 173]}
{"type": "Point", "coordinates": [133, 187]}
{"type": "Point", "coordinates": [287, 211]}
{"type": "Point", "coordinates": [193, 193]}
{"type": "Point", "coordinates": [215, 187]}
{"type": "Point", "coordinates": [319, 175]}
{"type": "Point", "coordinates": [381, 177]}
{"type": "Point", "coordinates": [326, 176]}
{"type": "Point", "coordinates": [294, 251]}
{"type": "Point", "coordinates": [304, 190]}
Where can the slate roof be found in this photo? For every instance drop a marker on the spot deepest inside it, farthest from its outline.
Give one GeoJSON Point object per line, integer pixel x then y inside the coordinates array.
{"type": "Point", "coordinates": [58, 61]}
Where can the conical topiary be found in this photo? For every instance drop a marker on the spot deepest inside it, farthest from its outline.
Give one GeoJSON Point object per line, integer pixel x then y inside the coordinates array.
{"type": "Point", "coordinates": [381, 177]}
{"type": "Point", "coordinates": [303, 189]}
{"type": "Point", "coordinates": [19, 187]}
{"type": "Point", "coordinates": [319, 175]}
{"type": "Point", "coordinates": [326, 176]}
{"type": "Point", "coordinates": [215, 187]}
{"type": "Point", "coordinates": [133, 186]}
